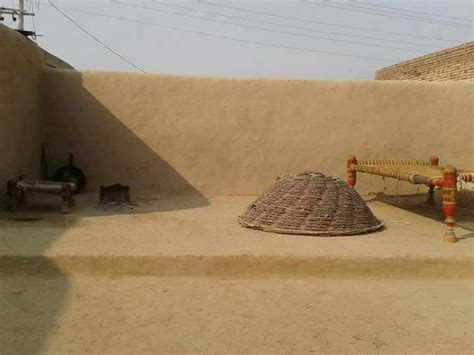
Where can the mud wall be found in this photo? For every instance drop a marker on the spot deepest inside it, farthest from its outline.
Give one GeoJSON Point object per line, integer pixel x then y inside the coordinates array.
{"type": "Point", "coordinates": [235, 136]}
{"type": "Point", "coordinates": [20, 68]}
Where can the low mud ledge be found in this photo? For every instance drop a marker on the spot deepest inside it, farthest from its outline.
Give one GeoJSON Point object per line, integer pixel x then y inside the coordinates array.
{"type": "Point", "coordinates": [236, 265]}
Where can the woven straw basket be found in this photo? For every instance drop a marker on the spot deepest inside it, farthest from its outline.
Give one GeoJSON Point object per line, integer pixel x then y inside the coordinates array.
{"type": "Point", "coordinates": [310, 204]}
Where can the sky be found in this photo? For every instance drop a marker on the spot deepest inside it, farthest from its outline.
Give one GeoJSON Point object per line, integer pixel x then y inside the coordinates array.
{"type": "Point", "coordinates": [303, 39]}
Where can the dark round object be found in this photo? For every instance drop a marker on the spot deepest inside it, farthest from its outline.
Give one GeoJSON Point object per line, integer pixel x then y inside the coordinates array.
{"type": "Point", "coordinates": [68, 172]}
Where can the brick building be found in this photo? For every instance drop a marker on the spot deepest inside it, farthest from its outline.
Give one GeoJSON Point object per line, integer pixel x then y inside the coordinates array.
{"type": "Point", "coordinates": [456, 63]}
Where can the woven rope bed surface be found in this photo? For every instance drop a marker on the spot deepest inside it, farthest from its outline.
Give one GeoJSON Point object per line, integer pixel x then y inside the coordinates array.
{"type": "Point", "coordinates": [407, 170]}
{"type": "Point", "coordinates": [310, 204]}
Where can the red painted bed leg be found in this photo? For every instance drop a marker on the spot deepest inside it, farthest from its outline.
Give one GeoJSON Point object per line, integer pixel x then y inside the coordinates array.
{"type": "Point", "coordinates": [351, 174]}
{"type": "Point", "coordinates": [449, 202]}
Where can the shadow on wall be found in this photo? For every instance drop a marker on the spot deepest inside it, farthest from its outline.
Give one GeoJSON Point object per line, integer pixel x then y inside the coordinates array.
{"type": "Point", "coordinates": [103, 142]}
{"type": "Point", "coordinates": [34, 290]}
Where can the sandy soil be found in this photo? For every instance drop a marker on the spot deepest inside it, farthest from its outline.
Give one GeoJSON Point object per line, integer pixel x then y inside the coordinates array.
{"type": "Point", "coordinates": [161, 314]}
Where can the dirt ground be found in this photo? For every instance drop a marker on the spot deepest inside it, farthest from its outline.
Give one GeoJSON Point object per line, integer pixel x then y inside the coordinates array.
{"type": "Point", "coordinates": [137, 315]}
{"type": "Point", "coordinates": [178, 274]}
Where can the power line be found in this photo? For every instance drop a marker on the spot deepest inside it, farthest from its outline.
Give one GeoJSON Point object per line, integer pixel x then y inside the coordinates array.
{"type": "Point", "coordinates": [407, 16]}
{"type": "Point", "coordinates": [354, 8]}
{"type": "Point", "coordinates": [95, 38]}
{"type": "Point", "coordinates": [349, 7]}
{"type": "Point", "coordinates": [290, 26]}
{"type": "Point", "coordinates": [227, 37]}
{"type": "Point", "coordinates": [265, 29]}
{"type": "Point", "coordinates": [413, 11]}
{"type": "Point", "coordinates": [322, 22]}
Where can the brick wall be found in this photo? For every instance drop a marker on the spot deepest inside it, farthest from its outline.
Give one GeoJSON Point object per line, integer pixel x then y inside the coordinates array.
{"type": "Point", "coordinates": [456, 63]}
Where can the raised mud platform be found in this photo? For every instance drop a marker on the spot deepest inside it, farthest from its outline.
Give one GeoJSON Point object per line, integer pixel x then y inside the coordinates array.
{"type": "Point", "coordinates": [189, 236]}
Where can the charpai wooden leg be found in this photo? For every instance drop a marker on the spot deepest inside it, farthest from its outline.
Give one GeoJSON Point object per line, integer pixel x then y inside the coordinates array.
{"type": "Point", "coordinates": [72, 201]}
{"type": "Point", "coordinates": [351, 174]}
{"type": "Point", "coordinates": [65, 207]}
{"type": "Point", "coordinates": [22, 197]}
{"type": "Point", "coordinates": [431, 199]}
{"type": "Point", "coordinates": [449, 202]}
{"type": "Point", "coordinates": [66, 198]}
{"type": "Point", "coordinates": [11, 196]}
{"type": "Point", "coordinates": [434, 160]}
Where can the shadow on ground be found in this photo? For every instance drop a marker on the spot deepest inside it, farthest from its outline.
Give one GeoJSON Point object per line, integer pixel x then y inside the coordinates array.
{"type": "Point", "coordinates": [418, 204]}
{"type": "Point", "coordinates": [40, 225]}
{"type": "Point", "coordinates": [28, 317]}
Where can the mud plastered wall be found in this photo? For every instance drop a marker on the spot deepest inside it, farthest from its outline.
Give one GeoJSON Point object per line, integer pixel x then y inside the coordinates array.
{"type": "Point", "coordinates": [20, 143]}
{"type": "Point", "coordinates": [172, 134]}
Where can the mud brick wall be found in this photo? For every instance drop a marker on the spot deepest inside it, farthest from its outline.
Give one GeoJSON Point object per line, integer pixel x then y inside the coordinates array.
{"type": "Point", "coordinates": [455, 63]}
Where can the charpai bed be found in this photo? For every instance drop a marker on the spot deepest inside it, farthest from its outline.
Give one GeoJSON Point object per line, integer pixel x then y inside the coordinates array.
{"type": "Point", "coordinates": [418, 172]}
{"type": "Point", "coordinates": [18, 192]}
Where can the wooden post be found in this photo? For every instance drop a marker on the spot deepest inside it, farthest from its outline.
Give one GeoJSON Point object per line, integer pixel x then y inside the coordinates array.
{"type": "Point", "coordinates": [434, 160]}
{"type": "Point", "coordinates": [21, 15]}
{"type": "Point", "coordinates": [351, 174]}
{"type": "Point", "coordinates": [449, 202]}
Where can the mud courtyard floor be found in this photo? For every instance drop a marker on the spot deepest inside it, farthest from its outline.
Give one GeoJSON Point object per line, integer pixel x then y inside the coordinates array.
{"type": "Point", "coordinates": [178, 274]}
{"type": "Point", "coordinates": [207, 314]}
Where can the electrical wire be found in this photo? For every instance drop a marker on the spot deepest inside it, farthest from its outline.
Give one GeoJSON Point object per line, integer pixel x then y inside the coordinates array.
{"type": "Point", "coordinates": [323, 23]}
{"type": "Point", "coordinates": [413, 11]}
{"type": "Point", "coordinates": [265, 29]}
{"type": "Point", "coordinates": [290, 26]}
{"type": "Point", "coordinates": [263, 44]}
{"type": "Point", "coordinates": [350, 7]}
{"type": "Point", "coordinates": [359, 9]}
{"type": "Point", "coordinates": [95, 38]}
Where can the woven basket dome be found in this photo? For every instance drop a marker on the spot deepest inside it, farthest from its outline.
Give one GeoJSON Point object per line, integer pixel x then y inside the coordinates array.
{"type": "Point", "coordinates": [310, 204]}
